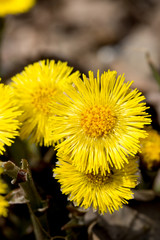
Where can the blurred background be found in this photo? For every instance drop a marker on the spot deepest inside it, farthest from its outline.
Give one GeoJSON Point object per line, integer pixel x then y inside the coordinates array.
{"type": "Point", "coordinates": [90, 35]}
{"type": "Point", "coordinates": [119, 35]}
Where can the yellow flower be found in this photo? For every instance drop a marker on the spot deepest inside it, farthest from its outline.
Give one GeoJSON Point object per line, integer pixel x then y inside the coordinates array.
{"type": "Point", "coordinates": [15, 6]}
{"type": "Point", "coordinates": [35, 88]}
{"type": "Point", "coordinates": [9, 125]}
{"type": "Point", "coordinates": [150, 149]}
{"type": "Point", "coordinates": [3, 203]}
{"type": "Point", "coordinates": [101, 192]}
{"type": "Point", "coordinates": [3, 206]}
{"type": "Point", "coordinates": [101, 121]}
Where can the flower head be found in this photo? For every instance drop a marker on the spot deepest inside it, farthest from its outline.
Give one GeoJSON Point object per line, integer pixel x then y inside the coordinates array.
{"type": "Point", "coordinates": [35, 88]}
{"type": "Point", "coordinates": [3, 203]}
{"type": "Point", "coordinates": [101, 192]}
{"type": "Point", "coordinates": [150, 149]}
{"type": "Point", "coordinates": [3, 206]}
{"type": "Point", "coordinates": [9, 125]}
{"type": "Point", "coordinates": [15, 6]}
{"type": "Point", "coordinates": [101, 120]}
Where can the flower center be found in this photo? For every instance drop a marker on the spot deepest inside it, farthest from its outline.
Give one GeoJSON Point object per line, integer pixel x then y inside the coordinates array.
{"type": "Point", "coordinates": [5, 1]}
{"type": "Point", "coordinates": [41, 99]}
{"type": "Point", "coordinates": [98, 179]}
{"type": "Point", "coordinates": [97, 121]}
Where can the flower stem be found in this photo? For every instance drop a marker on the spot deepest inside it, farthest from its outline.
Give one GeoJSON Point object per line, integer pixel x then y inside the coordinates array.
{"type": "Point", "coordinates": [39, 232]}
{"type": "Point", "coordinates": [36, 205]}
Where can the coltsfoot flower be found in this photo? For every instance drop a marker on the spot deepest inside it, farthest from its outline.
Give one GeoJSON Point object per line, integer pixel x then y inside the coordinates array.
{"type": "Point", "coordinates": [9, 125]}
{"type": "Point", "coordinates": [101, 192]}
{"type": "Point", "coordinates": [150, 149]}
{"type": "Point", "coordinates": [35, 88]}
{"type": "Point", "coordinates": [15, 6]}
{"type": "Point", "coordinates": [101, 121]}
{"type": "Point", "coordinates": [3, 206]}
{"type": "Point", "coordinates": [3, 203]}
